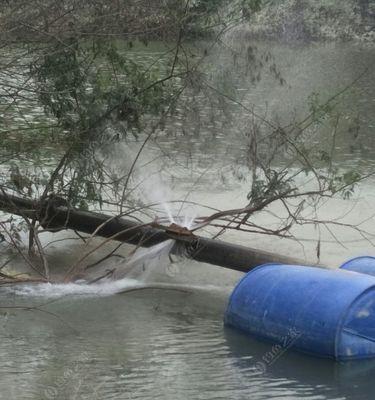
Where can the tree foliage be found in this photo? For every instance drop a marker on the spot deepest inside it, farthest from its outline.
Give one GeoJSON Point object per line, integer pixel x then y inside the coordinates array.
{"type": "Point", "coordinates": [76, 62]}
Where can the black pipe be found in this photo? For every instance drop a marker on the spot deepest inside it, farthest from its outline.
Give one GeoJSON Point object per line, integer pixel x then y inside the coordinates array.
{"type": "Point", "coordinates": [55, 217]}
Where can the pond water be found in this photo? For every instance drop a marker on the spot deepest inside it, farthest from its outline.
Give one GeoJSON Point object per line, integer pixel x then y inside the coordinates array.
{"type": "Point", "coordinates": [171, 343]}
{"type": "Point", "coordinates": [157, 345]}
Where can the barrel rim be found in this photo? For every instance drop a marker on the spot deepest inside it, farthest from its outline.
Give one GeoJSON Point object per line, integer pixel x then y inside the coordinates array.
{"type": "Point", "coordinates": [342, 320]}
{"type": "Point", "coordinates": [342, 266]}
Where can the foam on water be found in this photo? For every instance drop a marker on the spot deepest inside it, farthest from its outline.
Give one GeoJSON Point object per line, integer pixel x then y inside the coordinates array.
{"type": "Point", "coordinates": [104, 289]}
{"type": "Point", "coordinates": [133, 275]}
{"type": "Point", "coordinates": [55, 290]}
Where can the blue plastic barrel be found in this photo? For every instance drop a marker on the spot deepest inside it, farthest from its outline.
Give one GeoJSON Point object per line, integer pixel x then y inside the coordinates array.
{"type": "Point", "coordinates": [363, 265]}
{"type": "Point", "coordinates": [328, 313]}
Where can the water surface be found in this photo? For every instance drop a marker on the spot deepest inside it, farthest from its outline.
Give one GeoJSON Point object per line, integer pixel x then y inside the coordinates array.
{"type": "Point", "coordinates": [167, 344]}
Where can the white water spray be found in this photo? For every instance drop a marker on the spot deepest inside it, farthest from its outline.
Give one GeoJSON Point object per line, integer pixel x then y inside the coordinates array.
{"type": "Point", "coordinates": [82, 289]}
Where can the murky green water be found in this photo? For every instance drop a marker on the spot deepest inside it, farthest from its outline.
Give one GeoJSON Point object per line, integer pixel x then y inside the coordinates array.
{"type": "Point", "coordinates": [172, 344]}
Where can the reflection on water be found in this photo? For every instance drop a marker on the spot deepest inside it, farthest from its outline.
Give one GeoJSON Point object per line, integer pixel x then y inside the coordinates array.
{"type": "Point", "coordinates": [157, 345]}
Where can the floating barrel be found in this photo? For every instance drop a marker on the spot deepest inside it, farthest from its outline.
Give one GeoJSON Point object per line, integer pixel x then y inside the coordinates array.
{"type": "Point", "coordinates": [328, 313]}
{"type": "Point", "coordinates": [363, 265]}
